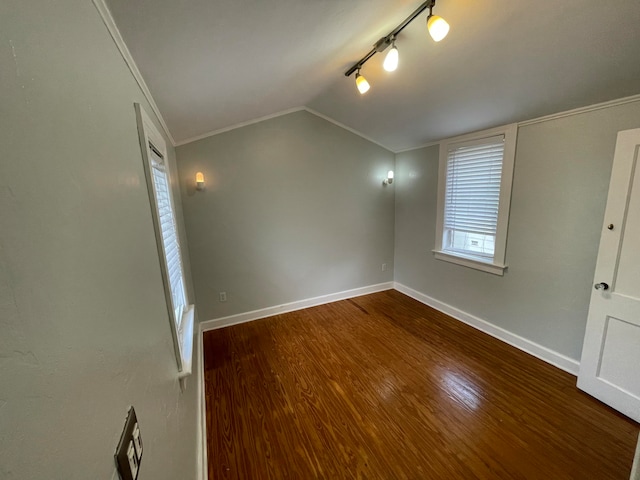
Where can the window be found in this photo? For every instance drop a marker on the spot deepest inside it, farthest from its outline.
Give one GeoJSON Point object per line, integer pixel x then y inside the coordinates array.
{"type": "Point", "coordinates": [159, 185]}
{"type": "Point", "coordinates": [474, 193]}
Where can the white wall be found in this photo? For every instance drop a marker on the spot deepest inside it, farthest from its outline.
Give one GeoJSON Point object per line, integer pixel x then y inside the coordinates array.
{"type": "Point", "coordinates": [84, 330]}
{"type": "Point", "coordinates": [560, 186]}
{"type": "Point", "coordinates": [294, 208]}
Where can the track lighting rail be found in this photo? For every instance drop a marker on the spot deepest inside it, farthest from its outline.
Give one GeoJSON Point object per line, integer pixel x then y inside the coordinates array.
{"type": "Point", "coordinates": [382, 44]}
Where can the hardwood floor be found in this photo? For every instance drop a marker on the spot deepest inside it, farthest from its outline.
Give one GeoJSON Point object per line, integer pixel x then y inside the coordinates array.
{"type": "Point", "coordinates": [383, 387]}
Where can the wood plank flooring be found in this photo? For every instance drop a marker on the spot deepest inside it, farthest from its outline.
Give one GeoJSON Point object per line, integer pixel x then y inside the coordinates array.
{"type": "Point", "coordinates": [383, 387]}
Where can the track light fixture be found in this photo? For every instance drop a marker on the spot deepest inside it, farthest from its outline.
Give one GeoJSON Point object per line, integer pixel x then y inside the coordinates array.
{"type": "Point", "coordinates": [437, 26]}
{"type": "Point", "coordinates": [391, 60]}
{"type": "Point", "coordinates": [362, 84]}
{"type": "Point", "coordinates": [438, 29]}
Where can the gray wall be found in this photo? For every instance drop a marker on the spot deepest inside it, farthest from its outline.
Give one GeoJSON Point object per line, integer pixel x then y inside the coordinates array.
{"type": "Point", "coordinates": [561, 179]}
{"type": "Point", "coordinates": [84, 330]}
{"type": "Point", "coordinates": [294, 208]}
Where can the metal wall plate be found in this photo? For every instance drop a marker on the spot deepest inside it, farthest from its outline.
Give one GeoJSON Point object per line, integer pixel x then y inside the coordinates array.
{"type": "Point", "coordinates": [129, 452]}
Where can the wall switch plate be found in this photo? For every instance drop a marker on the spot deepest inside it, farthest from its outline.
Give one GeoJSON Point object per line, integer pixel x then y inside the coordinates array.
{"type": "Point", "coordinates": [129, 452]}
{"type": "Point", "coordinates": [223, 296]}
{"type": "Point", "coordinates": [384, 267]}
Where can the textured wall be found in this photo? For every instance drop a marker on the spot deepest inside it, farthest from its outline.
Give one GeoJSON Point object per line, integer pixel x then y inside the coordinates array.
{"type": "Point", "coordinates": [84, 331]}
{"type": "Point", "coordinates": [294, 208]}
{"type": "Point", "coordinates": [560, 186]}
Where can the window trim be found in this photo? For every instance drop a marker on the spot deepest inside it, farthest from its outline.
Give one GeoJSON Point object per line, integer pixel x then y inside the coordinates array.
{"type": "Point", "coordinates": [181, 329]}
{"type": "Point", "coordinates": [498, 265]}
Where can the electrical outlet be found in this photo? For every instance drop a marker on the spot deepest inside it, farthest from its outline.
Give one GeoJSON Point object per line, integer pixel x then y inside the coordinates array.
{"type": "Point", "coordinates": [129, 452]}
{"type": "Point", "coordinates": [223, 296]}
{"type": "Point", "coordinates": [137, 441]}
{"type": "Point", "coordinates": [133, 460]}
{"type": "Point", "coordinates": [384, 267]}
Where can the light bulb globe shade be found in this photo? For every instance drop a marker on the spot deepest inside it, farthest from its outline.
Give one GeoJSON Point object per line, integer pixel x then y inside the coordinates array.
{"type": "Point", "coordinates": [438, 27]}
{"type": "Point", "coordinates": [391, 60]}
{"type": "Point", "coordinates": [199, 180]}
{"type": "Point", "coordinates": [362, 84]}
{"type": "Point", "coordinates": [390, 175]}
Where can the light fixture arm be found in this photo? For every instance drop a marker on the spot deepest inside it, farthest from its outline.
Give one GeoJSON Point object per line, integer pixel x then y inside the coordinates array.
{"type": "Point", "coordinates": [382, 44]}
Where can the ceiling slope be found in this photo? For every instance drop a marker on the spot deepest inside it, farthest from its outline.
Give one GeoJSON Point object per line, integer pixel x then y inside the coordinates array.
{"type": "Point", "coordinates": [213, 64]}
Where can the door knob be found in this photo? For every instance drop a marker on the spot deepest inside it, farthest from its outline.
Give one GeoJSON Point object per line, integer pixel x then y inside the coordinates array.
{"type": "Point", "coordinates": [601, 286]}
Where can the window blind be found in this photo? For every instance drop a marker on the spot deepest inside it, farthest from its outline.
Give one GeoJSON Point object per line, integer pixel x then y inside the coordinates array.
{"type": "Point", "coordinates": [169, 233]}
{"type": "Point", "coordinates": [472, 198]}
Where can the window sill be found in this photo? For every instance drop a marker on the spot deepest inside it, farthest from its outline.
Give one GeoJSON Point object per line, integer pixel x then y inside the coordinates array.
{"type": "Point", "coordinates": [185, 337]}
{"type": "Point", "coordinates": [494, 268]}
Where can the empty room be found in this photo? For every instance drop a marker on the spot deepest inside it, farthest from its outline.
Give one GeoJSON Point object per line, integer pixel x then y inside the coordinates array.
{"type": "Point", "coordinates": [319, 239]}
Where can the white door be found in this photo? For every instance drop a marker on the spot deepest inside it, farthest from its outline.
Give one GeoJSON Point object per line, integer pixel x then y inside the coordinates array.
{"type": "Point", "coordinates": [610, 365]}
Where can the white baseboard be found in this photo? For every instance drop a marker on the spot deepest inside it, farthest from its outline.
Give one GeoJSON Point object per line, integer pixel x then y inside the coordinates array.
{"type": "Point", "coordinates": [293, 306]}
{"type": "Point", "coordinates": [635, 469]}
{"type": "Point", "coordinates": [201, 437]}
{"type": "Point", "coordinates": [543, 353]}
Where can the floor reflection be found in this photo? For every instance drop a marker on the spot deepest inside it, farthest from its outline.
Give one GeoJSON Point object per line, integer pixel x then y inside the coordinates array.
{"type": "Point", "coordinates": [462, 389]}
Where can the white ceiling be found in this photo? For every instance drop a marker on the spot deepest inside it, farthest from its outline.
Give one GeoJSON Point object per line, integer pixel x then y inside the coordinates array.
{"type": "Point", "coordinates": [213, 64]}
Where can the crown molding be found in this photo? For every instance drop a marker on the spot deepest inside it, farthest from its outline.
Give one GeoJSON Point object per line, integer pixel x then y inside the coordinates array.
{"type": "Point", "coordinates": [430, 144]}
{"type": "Point", "coordinates": [239, 125]}
{"type": "Point", "coordinates": [280, 114]}
{"type": "Point", "coordinates": [349, 129]}
{"type": "Point", "coordinates": [110, 23]}
{"type": "Point", "coordinates": [578, 111]}
{"type": "Point", "coordinates": [548, 118]}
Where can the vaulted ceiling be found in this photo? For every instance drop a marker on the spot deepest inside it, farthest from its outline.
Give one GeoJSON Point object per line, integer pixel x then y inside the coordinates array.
{"type": "Point", "coordinates": [213, 64]}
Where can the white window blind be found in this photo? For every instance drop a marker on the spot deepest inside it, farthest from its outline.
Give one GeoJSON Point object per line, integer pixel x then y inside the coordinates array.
{"type": "Point", "coordinates": [169, 233]}
{"type": "Point", "coordinates": [472, 197]}
{"type": "Point", "coordinates": [158, 176]}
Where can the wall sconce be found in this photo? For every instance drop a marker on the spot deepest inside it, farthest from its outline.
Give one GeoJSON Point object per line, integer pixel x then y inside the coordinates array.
{"type": "Point", "coordinates": [200, 181]}
{"type": "Point", "coordinates": [389, 179]}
